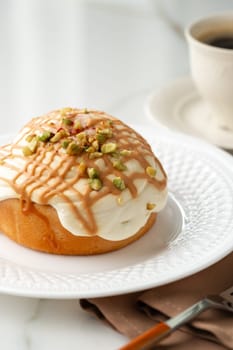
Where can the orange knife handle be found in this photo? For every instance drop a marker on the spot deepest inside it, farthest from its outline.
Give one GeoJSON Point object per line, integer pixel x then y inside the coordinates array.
{"type": "Point", "coordinates": [150, 337]}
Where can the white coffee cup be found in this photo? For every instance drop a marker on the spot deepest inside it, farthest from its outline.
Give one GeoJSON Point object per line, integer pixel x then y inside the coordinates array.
{"type": "Point", "coordinates": [211, 66]}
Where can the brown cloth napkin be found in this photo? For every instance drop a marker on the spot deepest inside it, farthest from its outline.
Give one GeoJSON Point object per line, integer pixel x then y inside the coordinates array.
{"type": "Point", "coordinates": [132, 314]}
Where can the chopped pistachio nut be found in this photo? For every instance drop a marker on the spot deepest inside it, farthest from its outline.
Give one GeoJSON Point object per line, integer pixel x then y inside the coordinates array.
{"type": "Point", "coordinates": [82, 137]}
{"type": "Point", "coordinates": [117, 164]}
{"type": "Point", "coordinates": [151, 171]}
{"type": "Point", "coordinates": [109, 122]}
{"type": "Point", "coordinates": [78, 125]}
{"type": "Point", "coordinates": [67, 121]}
{"type": "Point", "coordinates": [95, 155]}
{"type": "Point", "coordinates": [101, 138]}
{"type": "Point", "coordinates": [109, 147]}
{"type": "Point", "coordinates": [27, 151]}
{"type": "Point", "coordinates": [91, 138]}
{"type": "Point", "coordinates": [125, 152]}
{"type": "Point", "coordinates": [95, 144]}
{"type": "Point", "coordinates": [107, 132]}
{"type": "Point", "coordinates": [46, 136]}
{"type": "Point", "coordinates": [95, 184]}
{"type": "Point", "coordinates": [65, 110]}
{"type": "Point", "coordinates": [58, 136]}
{"type": "Point", "coordinates": [73, 149]}
{"type": "Point", "coordinates": [33, 144]}
{"type": "Point", "coordinates": [150, 206]}
{"type": "Point", "coordinates": [103, 134]}
{"type": "Point", "coordinates": [92, 173]}
{"type": "Point", "coordinates": [90, 149]}
{"type": "Point", "coordinates": [119, 183]}
{"type": "Point", "coordinates": [65, 143]}
{"type": "Point", "coordinates": [29, 138]}
{"type": "Point", "coordinates": [82, 168]}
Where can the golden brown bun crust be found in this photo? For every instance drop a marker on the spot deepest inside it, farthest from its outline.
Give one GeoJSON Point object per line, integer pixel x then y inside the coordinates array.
{"type": "Point", "coordinates": [40, 229]}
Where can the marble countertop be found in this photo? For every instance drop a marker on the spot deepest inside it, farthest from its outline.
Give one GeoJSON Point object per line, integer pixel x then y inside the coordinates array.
{"type": "Point", "coordinates": [105, 54]}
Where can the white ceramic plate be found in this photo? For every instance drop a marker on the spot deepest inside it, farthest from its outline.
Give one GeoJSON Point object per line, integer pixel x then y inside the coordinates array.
{"type": "Point", "coordinates": [178, 106]}
{"type": "Point", "coordinates": [193, 232]}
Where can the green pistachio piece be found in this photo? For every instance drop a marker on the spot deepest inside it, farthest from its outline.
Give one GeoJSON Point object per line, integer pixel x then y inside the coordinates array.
{"type": "Point", "coordinates": [125, 152]}
{"type": "Point", "coordinates": [119, 183]}
{"type": "Point", "coordinates": [108, 122]}
{"type": "Point", "coordinates": [82, 137]}
{"type": "Point", "coordinates": [27, 151]}
{"type": "Point", "coordinates": [92, 173]}
{"type": "Point", "coordinates": [73, 149]}
{"type": "Point", "coordinates": [58, 136]}
{"type": "Point", "coordinates": [151, 171]}
{"type": "Point", "coordinates": [95, 144]}
{"type": "Point", "coordinates": [90, 149]}
{"type": "Point", "coordinates": [103, 134]}
{"type": "Point", "coordinates": [95, 184]}
{"type": "Point", "coordinates": [101, 138]}
{"type": "Point", "coordinates": [33, 144]}
{"type": "Point", "coordinates": [78, 125]}
{"type": "Point", "coordinates": [46, 136]}
{"type": "Point", "coordinates": [91, 138]}
{"type": "Point", "coordinates": [67, 121]}
{"type": "Point", "coordinates": [150, 206]}
{"type": "Point", "coordinates": [95, 155]}
{"type": "Point", "coordinates": [107, 132]}
{"type": "Point", "coordinates": [65, 143]}
{"type": "Point", "coordinates": [65, 110]}
{"type": "Point", "coordinates": [82, 168]}
{"type": "Point", "coordinates": [29, 138]}
{"type": "Point", "coordinates": [109, 147]}
{"type": "Point", "coordinates": [117, 164]}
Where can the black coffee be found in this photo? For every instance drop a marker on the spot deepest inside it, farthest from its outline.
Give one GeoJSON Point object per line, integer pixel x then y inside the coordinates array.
{"type": "Point", "coordinates": [224, 42]}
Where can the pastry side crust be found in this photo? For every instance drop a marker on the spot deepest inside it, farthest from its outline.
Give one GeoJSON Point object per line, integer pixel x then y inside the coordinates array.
{"type": "Point", "coordinates": [39, 228]}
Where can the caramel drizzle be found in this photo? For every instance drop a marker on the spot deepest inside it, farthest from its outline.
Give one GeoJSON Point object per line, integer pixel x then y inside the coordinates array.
{"type": "Point", "coordinates": [52, 180]}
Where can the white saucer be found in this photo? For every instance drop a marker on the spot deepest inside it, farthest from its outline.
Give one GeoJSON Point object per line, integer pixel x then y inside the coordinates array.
{"type": "Point", "coordinates": [179, 107]}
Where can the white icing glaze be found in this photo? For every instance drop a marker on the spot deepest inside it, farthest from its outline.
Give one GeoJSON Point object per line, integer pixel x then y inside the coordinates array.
{"type": "Point", "coordinates": [117, 216]}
